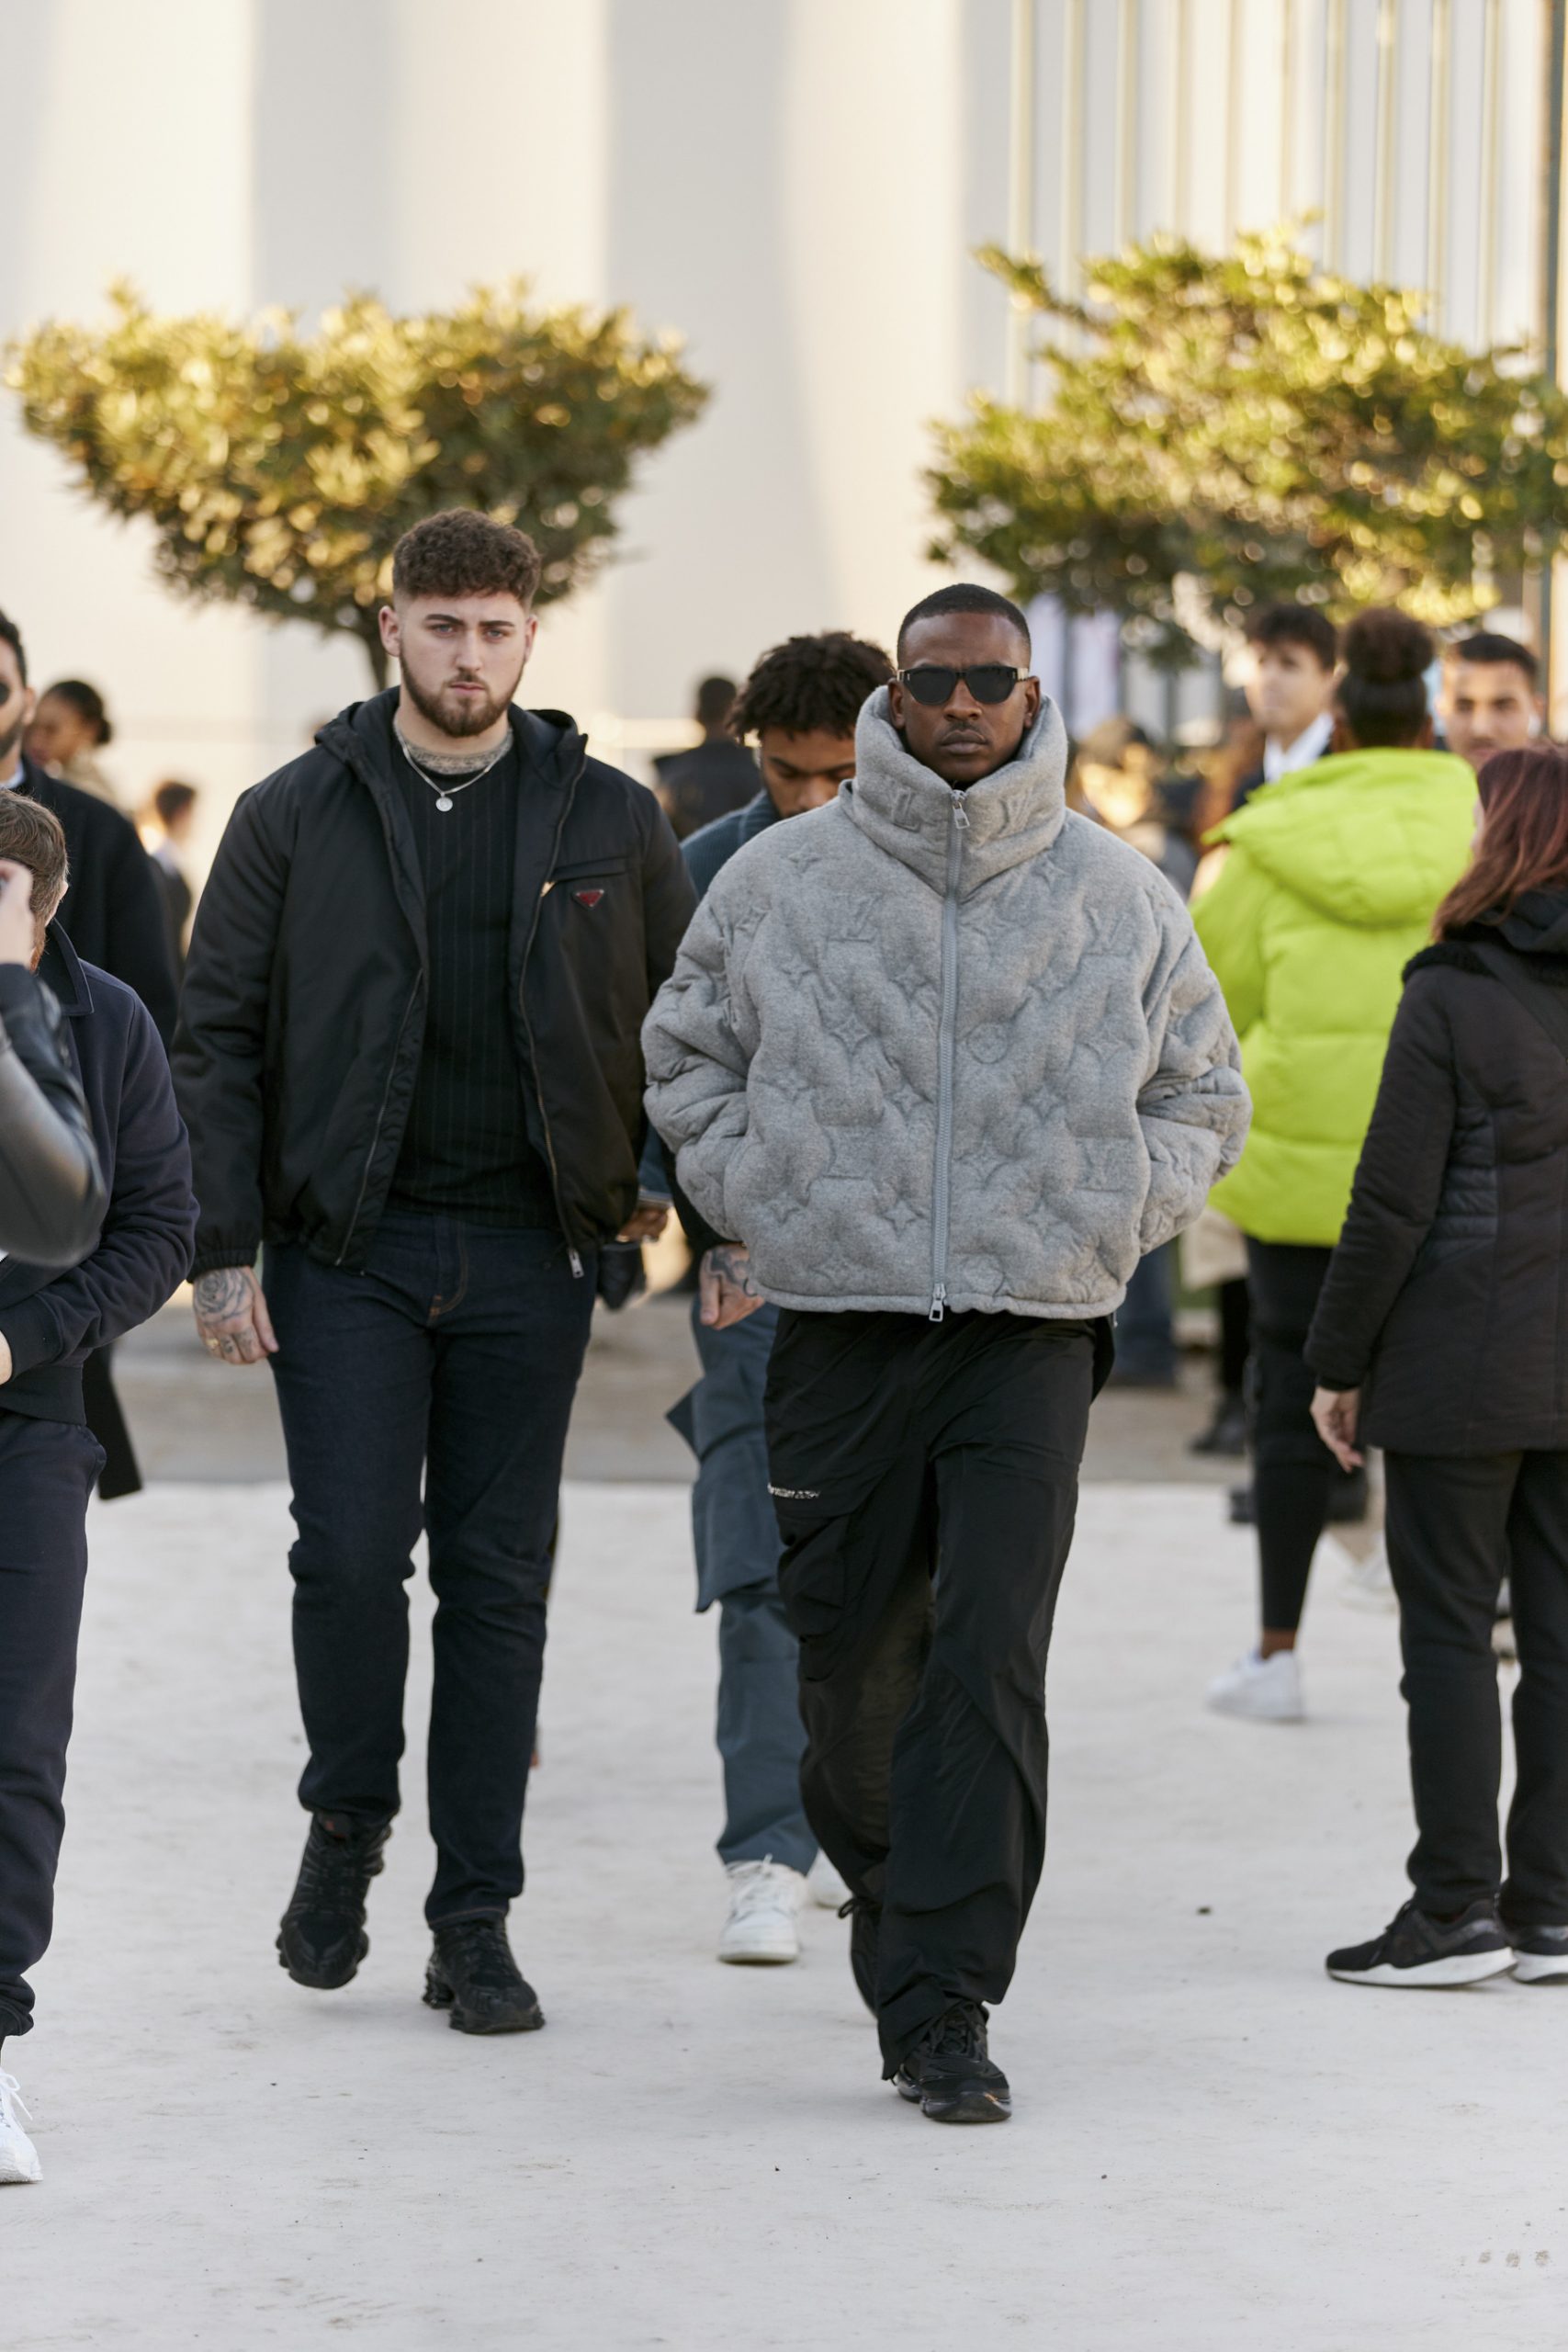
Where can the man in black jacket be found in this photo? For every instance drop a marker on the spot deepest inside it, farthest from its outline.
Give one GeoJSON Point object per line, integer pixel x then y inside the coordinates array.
{"type": "Point", "coordinates": [409, 1056]}
{"type": "Point", "coordinates": [49, 1459]}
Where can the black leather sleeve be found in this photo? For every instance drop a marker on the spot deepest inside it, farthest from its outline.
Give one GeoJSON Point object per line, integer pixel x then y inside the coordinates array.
{"type": "Point", "coordinates": [51, 1189]}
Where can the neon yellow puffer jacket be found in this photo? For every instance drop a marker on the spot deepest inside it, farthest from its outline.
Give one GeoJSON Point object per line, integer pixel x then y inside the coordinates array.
{"type": "Point", "coordinates": [1330, 887]}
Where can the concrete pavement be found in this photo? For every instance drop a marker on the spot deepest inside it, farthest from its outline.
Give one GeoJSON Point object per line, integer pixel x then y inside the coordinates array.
{"type": "Point", "coordinates": [1214, 2147]}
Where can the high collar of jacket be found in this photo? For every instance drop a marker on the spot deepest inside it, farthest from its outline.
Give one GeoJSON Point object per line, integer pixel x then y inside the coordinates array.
{"type": "Point", "coordinates": [60, 969]}
{"type": "Point", "coordinates": [906, 809]}
{"type": "Point", "coordinates": [548, 741]}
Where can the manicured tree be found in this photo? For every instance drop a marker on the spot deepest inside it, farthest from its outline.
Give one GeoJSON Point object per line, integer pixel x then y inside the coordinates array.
{"type": "Point", "coordinates": [278, 468]}
{"type": "Point", "coordinates": [1220, 433]}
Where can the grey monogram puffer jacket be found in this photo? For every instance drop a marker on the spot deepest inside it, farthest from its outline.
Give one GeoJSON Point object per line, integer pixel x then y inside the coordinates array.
{"type": "Point", "coordinates": [927, 1050]}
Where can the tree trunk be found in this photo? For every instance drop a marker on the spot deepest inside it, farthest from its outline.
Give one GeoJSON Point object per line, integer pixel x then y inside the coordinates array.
{"type": "Point", "coordinates": [370, 637]}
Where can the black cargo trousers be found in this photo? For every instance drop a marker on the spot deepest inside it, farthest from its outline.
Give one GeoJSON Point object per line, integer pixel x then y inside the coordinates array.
{"type": "Point", "coordinates": [925, 1477]}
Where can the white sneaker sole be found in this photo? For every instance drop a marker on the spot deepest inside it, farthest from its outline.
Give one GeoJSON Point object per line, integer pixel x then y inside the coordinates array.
{"type": "Point", "coordinates": [1244, 1710]}
{"type": "Point", "coordinates": [17, 2171]}
{"type": "Point", "coordinates": [1540, 1968]}
{"type": "Point", "coordinates": [1458, 1968]}
{"type": "Point", "coordinates": [759, 1955]}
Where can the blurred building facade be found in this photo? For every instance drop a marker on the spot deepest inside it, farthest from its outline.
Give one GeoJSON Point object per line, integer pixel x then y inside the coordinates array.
{"type": "Point", "coordinates": [797, 186]}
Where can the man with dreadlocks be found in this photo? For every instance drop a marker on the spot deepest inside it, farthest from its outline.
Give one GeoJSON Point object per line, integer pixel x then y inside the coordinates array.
{"type": "Point", "coordinates": [801, 703]}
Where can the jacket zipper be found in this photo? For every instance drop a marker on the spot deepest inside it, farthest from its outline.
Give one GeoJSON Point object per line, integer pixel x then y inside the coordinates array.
{"type": "Point", "coordinates": [944, 1047]}
{"type": "Point", "coordinates": [380, 1122]}
{"type": "Point", "coordinates": [574, 1259]}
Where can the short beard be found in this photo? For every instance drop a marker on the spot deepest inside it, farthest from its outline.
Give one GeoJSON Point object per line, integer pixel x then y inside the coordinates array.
{"type": "Point", "coordinates": [472, 722]}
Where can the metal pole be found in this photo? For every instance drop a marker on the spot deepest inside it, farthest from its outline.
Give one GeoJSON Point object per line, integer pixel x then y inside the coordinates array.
{"type": "Point", "coordinates": [1491, 148]}
{"type": "Point", "coordinates": [1551, 282]}
{"type": "Point", "coordinates": [1287, 109]}
{"type": "Point", "coordinates": [1072, 145]}
{"type": "Point", "coordinates": [1181, 91]}
{"type": "Point", "coordinates": [1020, 194]}
{"type": "Point", "coordinates": [1127, 29]}
{"type": "Point", "coordinates": [1233, 119]}
{"type": "Point", "coordinates": [1382, 235]}
{"type": "Point", "coordinates": [1334, 139]}
{"type": "Point", "coordinates": [1439, 114]}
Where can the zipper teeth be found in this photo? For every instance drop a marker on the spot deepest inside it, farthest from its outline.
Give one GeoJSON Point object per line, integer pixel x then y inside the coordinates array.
{"type": "Point", "coordinates": [574, 1259]}
{"type": "Point", "coordinates": [940, 1200]}
{"type": "Point", "coordinates": [380, 1122]}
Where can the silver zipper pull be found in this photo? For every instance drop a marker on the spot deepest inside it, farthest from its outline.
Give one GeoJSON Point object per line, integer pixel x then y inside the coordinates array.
{"type": "Point", "coordinates": [939, 1304]}
{"type": "Point", "coordinates": [576, 1263]}
{"type": "Point", "coordinates": [960, 814]}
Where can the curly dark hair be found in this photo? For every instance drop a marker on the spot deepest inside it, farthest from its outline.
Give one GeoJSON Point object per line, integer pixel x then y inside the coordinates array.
{"type": "Point", "coordinates": [1382, 688]}
{"type": "Point", "coordinates": [810, 682]}
{"type": "Point", "coordinates": [462, 553]}
{"type": "Point", "coordinates": [1296, 624]}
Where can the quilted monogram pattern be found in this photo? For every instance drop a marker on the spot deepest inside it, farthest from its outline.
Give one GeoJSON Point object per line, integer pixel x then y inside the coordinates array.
{"type": "Point", "coordinates": [795, 1054]}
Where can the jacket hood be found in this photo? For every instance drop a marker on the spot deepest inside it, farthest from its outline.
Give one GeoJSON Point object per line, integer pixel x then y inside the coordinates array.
{"type": "Point", "coordinates": [1370, 838]}
{"type": "Point", "coordinates": [906, 809]}
{"type": "Point", "coordinates": [1538, 925]}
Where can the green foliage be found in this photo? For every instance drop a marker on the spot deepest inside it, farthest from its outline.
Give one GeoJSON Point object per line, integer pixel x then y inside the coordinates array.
{"type": "Point", "coordinates": [1225, 432]}
{"type": "Point", "coordinates": [278, 470]}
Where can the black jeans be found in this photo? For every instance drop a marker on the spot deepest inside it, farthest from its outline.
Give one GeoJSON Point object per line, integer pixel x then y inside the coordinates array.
{"type": "Point", "coordinates": [1292, 1469]}
{"type": "Point", "coordinates": [451, 1363]}
{"type": "Point", "coordinates": [47, 1473]}
{"type": "Point", "coordinates": [1456, 1524]}
{"type": "Point", "coordinates": [925, 1477]}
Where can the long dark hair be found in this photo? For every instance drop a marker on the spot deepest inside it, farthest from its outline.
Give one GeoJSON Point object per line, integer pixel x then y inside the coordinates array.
{"type": "Point", "coordinates": [1524, 837]}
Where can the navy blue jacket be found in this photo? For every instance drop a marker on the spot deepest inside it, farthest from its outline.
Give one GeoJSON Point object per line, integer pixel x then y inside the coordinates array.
{"type": "Point", "coordinates": [52, 1322]}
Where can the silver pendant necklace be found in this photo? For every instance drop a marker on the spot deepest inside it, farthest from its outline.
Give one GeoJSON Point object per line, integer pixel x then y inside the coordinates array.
{"type": "Point", "coordinates": [445, 788]}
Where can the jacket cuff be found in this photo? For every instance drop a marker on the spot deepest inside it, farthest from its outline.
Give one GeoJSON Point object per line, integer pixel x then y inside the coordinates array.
{"type": "Point", "coordinates": [29, 1331]}
{"type": "Point", "coordinates": [214, 1256]}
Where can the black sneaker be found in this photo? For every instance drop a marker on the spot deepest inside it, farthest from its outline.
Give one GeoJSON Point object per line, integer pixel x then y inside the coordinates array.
{"type": "Point", "coordinates": [1540, 1954]}
{"type": "Point", "coordinates": [473, 1976]}
{"type": "Point", "coordinates": [865, 1933]}
{"type": "Point", "coordinates": [1416, 1949]}
{"type": "Point", "coordinates": [950, 2071]}
{"type": "Point", "coordinates": [322, 1938]}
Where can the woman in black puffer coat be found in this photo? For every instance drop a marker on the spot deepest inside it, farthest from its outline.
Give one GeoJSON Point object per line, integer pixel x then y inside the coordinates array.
{"type": "Point", "coordinates": [1441, 1334]}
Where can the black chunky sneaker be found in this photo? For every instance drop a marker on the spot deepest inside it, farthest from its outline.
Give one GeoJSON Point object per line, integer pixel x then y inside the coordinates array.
{"type": "Point", "coordinates": [865, 1930]}
{"type": "Point", "coordinates": [322, 1938]}
{"type": "Point", "coordinates": [1540, 1954]}
{"type": "Point", "coordinates": [950, 2073]}
{"type": "Point", "coordinates": [474, 1978]}
{"type": "Point", "coordinates": [1416, 1949]}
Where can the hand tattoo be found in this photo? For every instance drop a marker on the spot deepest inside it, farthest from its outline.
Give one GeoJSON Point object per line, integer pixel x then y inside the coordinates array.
{"type": "Point", "coordinates": [731, 1263]}
{"type": "Point", "coordinates": [225, 1291]}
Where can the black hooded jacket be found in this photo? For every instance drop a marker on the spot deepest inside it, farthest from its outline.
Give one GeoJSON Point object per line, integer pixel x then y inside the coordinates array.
{"type": "Point", "coordinates": [303, 1011]}
{"type": "Point", "coordinates": [1446, 1298]}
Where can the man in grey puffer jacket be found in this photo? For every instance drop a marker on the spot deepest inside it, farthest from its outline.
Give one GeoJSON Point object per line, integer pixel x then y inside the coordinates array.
{"type": "Point", "coordinates": [941, 1060]}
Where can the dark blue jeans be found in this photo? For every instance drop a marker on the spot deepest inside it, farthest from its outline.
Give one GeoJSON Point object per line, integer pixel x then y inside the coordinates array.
{"type": "Point", "coordinates": [450, 1364]}
{"type": "Point", "coordinates": [47, 1473]}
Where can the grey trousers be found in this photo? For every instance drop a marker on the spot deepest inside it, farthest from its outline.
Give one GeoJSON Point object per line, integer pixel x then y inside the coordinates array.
{"type": "Point", "coordinates": [761, 1737]}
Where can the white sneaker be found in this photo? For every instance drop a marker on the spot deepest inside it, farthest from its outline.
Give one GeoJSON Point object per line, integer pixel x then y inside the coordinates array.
{"type": "Point", "coordinates": [764, 1900]}
{"type": "Point", "coordinates": [18, 2157]}
{"type": "Point", "coordinates": [824, 1885]}
{"type": "Point", "coordinates": [1265, 1690]}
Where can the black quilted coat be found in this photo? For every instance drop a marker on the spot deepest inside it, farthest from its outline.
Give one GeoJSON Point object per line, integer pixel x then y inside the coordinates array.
{"type": "Point", "coordinates": [1446, 1299]}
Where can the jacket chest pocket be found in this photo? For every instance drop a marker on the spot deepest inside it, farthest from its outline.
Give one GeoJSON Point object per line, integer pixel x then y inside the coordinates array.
{"type": "Point", "coordinates": [592, 885]}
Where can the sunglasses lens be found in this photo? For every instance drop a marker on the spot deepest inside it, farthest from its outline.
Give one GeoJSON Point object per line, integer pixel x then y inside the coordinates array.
{"type": "Point", "coordinates": [991, 682]}
{"type": "Point", "coordinates": [932, 685]}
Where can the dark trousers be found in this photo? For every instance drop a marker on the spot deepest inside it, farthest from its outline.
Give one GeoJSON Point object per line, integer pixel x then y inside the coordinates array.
{"type": "Point", "coordinates": [46, 1471]}
{"type": "Point", "coordinates": [1292, 1469]}
{"type": "Point", "coordinates": [1457, 1523]}
{"type": "Point", "coordinates": [925, 1477]}
{"type": "Point", "coordinates": [449, 1363]}
{"type": "Point", "coordinates": [735, 1539]}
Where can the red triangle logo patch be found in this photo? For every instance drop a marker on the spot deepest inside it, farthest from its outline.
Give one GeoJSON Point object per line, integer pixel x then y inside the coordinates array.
{"type": "Point", "coordinates": [588, 897]}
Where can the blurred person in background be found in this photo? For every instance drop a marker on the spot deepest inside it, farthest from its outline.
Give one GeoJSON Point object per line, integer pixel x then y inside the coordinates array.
{"type": "Point", "coordinates": [1489, 700]}
{"type": "Point", "coordinates": [408, 1054]}
{"type": "Point", "coordinates": [1293, 650]}
{"type": "Point", "coordinates": [165, 834]}
{"type": "Point", "coordinates": [1333, 877]}
{"type": "Point", "coordinates": [70, 727]}
{"type": "Point", "coordinates": [52, 1188]}
{"type": "Point", "coordinates": [112, 915]}
{"type": "Point", "coordinates": [716, 775]}
{"type": "Point", "coordinates": [49, 1319]}
{"type": "Point", "coordinates": [1441, 1335]}
{"type": "Point", "coordinates": [801, 703]}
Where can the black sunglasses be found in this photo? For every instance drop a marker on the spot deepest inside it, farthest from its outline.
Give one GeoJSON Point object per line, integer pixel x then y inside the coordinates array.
{"type": "Point", "coordinates": [933, 683]}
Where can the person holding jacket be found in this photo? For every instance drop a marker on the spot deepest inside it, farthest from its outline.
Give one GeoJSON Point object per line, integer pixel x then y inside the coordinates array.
{"type": "Point", "coordinates": [50, 1318]}
{"type": "Point", "coordinates": [941, 1060]}
{"type": "Point", "coordinates": [409, 1057]}
{"type": "Point", "coordinates": [51, 1186]}
{"type": "Point", "coordinates": [1441, 1334]}
{"type": "Point", "coordinates": [1331, 879]}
